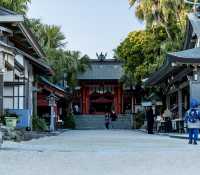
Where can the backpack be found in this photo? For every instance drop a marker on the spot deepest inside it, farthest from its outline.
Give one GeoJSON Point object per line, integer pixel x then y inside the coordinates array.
{"type": "Point", "coordinates": [193, 115]}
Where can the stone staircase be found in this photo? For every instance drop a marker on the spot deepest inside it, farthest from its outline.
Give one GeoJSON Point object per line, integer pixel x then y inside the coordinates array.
{"type": "Point", "coordinates": [97, 122]}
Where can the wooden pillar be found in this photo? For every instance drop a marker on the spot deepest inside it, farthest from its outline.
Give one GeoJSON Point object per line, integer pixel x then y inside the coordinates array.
{"type": "Point", "coordinates": [180, 102]}
{"type": "Point", "coordinates": [83, 101]}
{"type": "Point", "coordinates": [35, 99]}
{"type": "Point", "coordinates": [115, 99]}
{"type": "Point", "coordinates": [87, 105]}
{"type": "Point", "coordinates": [132, 103]}
{"type": "Point", "coordinates": [119, 100]}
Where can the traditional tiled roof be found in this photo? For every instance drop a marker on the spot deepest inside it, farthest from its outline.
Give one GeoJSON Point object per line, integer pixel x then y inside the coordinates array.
{"type": "Point", "coordinates": [109, 69]}
{"type": "Point", "coordinates": [195, 22]}
{"type": "Point", "coordinates": [43, 67]}
{"type": "Point", "coordinates": [30, 47]}
{"type": "Point", "coordinates": [185, 56]}
{"type": "Point", "coordinates": [8, 16]}
{"type": "Point", "coordinates": [189, 55]}
{"type": "Point", "coordinates": [44, 80]}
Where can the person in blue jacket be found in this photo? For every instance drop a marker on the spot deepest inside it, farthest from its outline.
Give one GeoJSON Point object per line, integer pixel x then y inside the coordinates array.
{"type": "Point", "coordinates": [192, 118]}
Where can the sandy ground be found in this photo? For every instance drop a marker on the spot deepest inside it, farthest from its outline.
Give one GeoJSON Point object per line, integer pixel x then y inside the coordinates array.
{"type": "Point", "coordinates": [100, 153]}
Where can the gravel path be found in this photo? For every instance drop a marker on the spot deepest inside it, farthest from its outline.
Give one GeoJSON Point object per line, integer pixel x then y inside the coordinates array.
{"type": "Point", "coordinates": [100, 152]}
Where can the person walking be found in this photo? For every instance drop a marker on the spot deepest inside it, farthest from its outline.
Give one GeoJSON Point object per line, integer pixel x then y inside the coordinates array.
{"type": "Point", "coordinates": [150, 120]}
{"type": "Point", "coordinates": [107, 120]}
{"type": "Point", "coordinates": [192, 118]}
{"type": "Point", "coordinates": [113, 115]}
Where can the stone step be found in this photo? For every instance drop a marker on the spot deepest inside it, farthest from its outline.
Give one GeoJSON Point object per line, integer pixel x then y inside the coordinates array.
{"type": "Point", "coordinates": [98, 122]}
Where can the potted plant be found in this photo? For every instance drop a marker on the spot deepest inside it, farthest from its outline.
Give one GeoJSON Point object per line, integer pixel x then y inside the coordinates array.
{"type": "Point", "coordinates": [11, 119]}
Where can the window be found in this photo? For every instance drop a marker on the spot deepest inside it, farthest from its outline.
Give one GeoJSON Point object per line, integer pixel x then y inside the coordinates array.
{"type": "Point", "coordinates": [14, 97]}
{"type": "Point", "coordinates": [9, 61]}
{"type": "Point", "coordinates": [8, 103]}
{"type": "Point", "coordinates": [8, 91]}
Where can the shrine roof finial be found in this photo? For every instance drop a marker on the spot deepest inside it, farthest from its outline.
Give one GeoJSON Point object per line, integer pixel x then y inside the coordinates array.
{"type": "Point", "coordinates": [101, 56]}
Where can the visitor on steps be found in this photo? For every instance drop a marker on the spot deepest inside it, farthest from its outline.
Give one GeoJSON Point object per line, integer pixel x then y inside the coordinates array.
{"type": "Point", "coordinates": [107, 120]}
{"type": "Point", "coordinates": [192, 118]}
{"type": "Point", "coordinates": [113, 115]}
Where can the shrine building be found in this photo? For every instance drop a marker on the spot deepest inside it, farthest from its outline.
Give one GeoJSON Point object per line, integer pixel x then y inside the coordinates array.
{"type": "Point", "coordinates": [101, 89]}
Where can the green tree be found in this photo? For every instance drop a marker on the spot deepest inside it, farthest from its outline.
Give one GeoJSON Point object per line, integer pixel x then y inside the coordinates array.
{"type": "Point", "coordinates": [170, 14]}
{"type": "Point", "coordinates": [62, 61]}
{"type": "Point", "coordinates": [49, 36]}
{"type": "Point", "coordinates": [142, 53]}
{"type": "Point", "coordinates": [19, 6]}
{"type": "Point", "coordinates": [53, 37]}
{"type": "Point", "coordinates": [67, 62]}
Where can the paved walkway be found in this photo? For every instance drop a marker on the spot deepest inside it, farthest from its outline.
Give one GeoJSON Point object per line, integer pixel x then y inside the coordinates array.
{"type": "Point", "coordinates": [100, 152]}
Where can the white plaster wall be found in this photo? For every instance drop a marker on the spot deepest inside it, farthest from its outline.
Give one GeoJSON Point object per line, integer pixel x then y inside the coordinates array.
{"type": "Point", "coordinates": [20, 59]}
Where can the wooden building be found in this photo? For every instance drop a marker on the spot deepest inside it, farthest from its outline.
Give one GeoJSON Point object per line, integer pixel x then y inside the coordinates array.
{"type": "Point", "coordinates": [45, 89]}
{"type": "Point", "coordinates": [21, 61]}
{"type": "Point", "coordinates": [101, 90]}
{"type": "Point", "coordinates": [179, 77]}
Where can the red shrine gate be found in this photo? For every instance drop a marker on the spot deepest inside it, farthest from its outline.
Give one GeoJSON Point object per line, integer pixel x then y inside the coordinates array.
{"type": "Point", "coordinates": [98, 99]}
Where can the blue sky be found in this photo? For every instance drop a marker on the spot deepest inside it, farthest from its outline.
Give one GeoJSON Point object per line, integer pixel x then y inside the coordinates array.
{"type": "Point", "coordinates": [90, 26]}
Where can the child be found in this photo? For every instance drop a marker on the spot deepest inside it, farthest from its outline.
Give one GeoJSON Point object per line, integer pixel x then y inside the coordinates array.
{"type": "Point", "coordinates": [192, 119]}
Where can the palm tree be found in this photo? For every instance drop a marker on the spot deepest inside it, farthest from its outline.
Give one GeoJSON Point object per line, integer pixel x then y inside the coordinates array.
{"type": "Point", "coordinates": [49, 36]}
{"type": "Point", "coordinates": [53, 37]}
{"type": "Point", "coordinates": [168, 13]}
{"type": "Point", "coordinates": [74, 63]}
{"type": "Point", "coordinates": [19, 6]}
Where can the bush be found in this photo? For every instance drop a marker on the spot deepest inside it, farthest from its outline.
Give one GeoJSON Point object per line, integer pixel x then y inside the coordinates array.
{"type": "Point", "coordinates": [139, 119]}
{"type": "Point", "coordinates": [39, 124]}
{"type": "Point", "coordinates": [69, 122]}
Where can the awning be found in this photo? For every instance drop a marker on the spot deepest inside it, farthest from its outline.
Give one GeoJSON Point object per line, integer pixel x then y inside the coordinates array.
{"type": "Point", "coordinates": [189, 56]}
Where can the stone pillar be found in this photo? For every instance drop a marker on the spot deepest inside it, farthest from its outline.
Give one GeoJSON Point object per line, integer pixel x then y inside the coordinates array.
{"type": "Point", "coordinates": [180, 102]}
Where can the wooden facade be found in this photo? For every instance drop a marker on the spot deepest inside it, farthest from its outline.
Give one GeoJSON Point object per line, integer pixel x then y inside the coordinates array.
{"type": "Point", "coordinates": [45, 89]}
{"type": "Point", "coordinates": [102, 101]}
{"type": "Point", "coordinates": [101, 90]}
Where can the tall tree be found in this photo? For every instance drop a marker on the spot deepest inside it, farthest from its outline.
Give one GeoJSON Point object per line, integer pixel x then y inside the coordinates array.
{"type": "Point", "coordinates": [168, 13]}
{"type": "Point", "coordinates": [19, 6]}
{"type": "Point", "coordinates": [142, 53]}
{"type": "Point", "coordinates": [49, 36]}
{"type": "Point", "coordinates": [63, 61]}
{"type": "Point", "coordinates": [53, 37]}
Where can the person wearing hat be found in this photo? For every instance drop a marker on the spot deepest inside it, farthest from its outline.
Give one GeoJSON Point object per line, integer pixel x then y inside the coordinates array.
{"type": "Point", "coordinates": [192, 118]}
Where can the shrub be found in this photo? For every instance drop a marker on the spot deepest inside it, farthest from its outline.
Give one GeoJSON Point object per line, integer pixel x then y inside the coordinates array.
{"type": "Point", "coordinates": [69, 122]}
{"type": "Point", "coordinates": [39, 124]}
{"type": "Point", "coordinates": [139, 119]}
